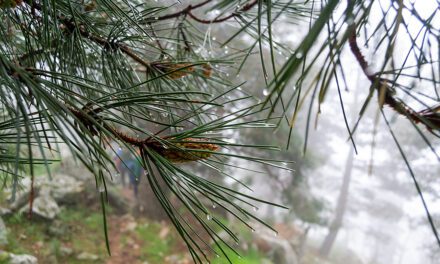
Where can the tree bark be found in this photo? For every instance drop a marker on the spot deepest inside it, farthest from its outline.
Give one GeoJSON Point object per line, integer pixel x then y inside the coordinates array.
{"type": "Point", "coordinates": [341, 206]}
{"type": "Point", "coordinates": [329, 240]}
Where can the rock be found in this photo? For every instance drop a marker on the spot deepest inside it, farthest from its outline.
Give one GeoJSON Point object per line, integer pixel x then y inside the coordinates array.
{"type": "Point", "coordinates": [44, 206]}
{"type": "Point", "coordinates": [131, 226]}
{"type": "Point", "coordinates": [280, 250]}
{"type": "Point", "coordinates": [21, 198]}
{"type": "Point", "coordinates": [63, 188]}
{"type": "Point", "coordinates": [164, 231]}
{"type": "Point", "coordinates": [5, 211]}
{"type": "Point", "coordinates": [66, 251]}
{"type": "Point", "coordinates": [177, 259]}
{"type": "Point", "coordinates": [172, 259]}
{"type": "Point", "coordinates": [58, 229]}
{"type": "Point", "coordinates": [118, 203]}
{"type": "Point", "coordinates": [22, 259]}
{"type": "Point", "coordinates": [87, 256]}
{"type": "Point", "coordinates": [3, 233]}
{"type": "Point", "coordinates": [39, 244]}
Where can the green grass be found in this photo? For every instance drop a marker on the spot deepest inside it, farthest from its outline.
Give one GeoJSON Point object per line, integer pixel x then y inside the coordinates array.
{"type": "Point", "coordinates": [82, 232]}
{"type": "Point", "coordinates": [155, 248]}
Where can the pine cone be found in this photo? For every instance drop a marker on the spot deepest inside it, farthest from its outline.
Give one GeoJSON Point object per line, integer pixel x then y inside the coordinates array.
{"type": "Point", "coordinates": [182, 151]}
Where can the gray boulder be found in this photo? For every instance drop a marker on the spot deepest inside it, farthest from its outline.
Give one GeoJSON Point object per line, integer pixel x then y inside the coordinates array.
{"type": "Point", "coordinates": [63, 188]}
{"type": "Point", "coordinates": [280, 250]}
{"type": "Point", "coordinates": [44, 206]}
{"type": "Point", "coordinates": [22, 259]}
{"type": "Point", "coordinates": [6, 257]}
{"type": "Point", "coordinates": [5, 211]}
{"type": "Point", "coordinates": [87, 256]}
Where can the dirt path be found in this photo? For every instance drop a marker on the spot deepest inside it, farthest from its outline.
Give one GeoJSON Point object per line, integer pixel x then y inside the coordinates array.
{"type": "Point", "coordinates": [124, 245]}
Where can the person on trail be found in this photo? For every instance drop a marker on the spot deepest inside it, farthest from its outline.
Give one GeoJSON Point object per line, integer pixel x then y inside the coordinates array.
{"type": "Point", "coordinates": [129, 164]}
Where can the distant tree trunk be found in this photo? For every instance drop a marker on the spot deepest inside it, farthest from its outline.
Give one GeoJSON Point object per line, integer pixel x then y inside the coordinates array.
{"type": "Point", "coordinates": [302, 245]}
{"type": "Point", "coordinates": [340, 209]}
{"type": "Point", "coordinates": [341, 206]}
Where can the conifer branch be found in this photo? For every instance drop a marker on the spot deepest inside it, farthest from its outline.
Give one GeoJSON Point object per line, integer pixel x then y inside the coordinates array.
{"type": "Point", "coordinates": [430, 117]}
{"type": "Point", "coordinates": [188, 11]}
{"type": "Point", "coordinates": [71, 26]}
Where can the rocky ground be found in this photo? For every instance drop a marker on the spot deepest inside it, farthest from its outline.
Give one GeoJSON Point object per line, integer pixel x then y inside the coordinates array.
{"type": "Point", "coordinates": [67, 227]}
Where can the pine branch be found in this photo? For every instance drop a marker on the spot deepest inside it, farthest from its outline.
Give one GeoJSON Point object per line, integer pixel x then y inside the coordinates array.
{"type": "Point", "coordinates": [245, 8]}
{"type": "Point", "coordinates": [188, 149]}
{"type": "Point", "coordinates": [188, 11]}
{"type": "Point", "coordinates": [71, 26]}
{"type": "Point", "coordinates": [429, 116]}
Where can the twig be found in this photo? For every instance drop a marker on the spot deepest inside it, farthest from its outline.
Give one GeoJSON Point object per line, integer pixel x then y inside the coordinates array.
{"type": "Point", "coordinates": [189, 149]}
{"type": "Point", "coordinates": [183, 11]}
{"type": "Point", "coordinates": [429, 117]}
{"type": "Point", "coordinates": [71, 26]}
{"type": "Point", "coordinates": [244, 8]}
{"type": "Point", "coordinates": [190, 8]}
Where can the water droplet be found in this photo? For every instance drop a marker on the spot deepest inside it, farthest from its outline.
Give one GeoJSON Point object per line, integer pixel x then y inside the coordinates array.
{"type": "Point", "coordinates": [208, 217]}
{"type": "Point", "coordinates": [255, 208]}
{"type": "Point", "coordinates": [101, 188]}
{"type": "Point", "coordinates": [298, 54]}
{"type": "Point", "coordinates": [217, 255]}
{"type": "Point", "coordinates": [213, 38]}
{"type": "Point", "coordinates": [265, 92]}
{"type": "Point", "coordinates": [253, 230]}
{"type": "Point", "coordinates": [276, 233]}
{"type": "Point", "coordinates": [214, 206]}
